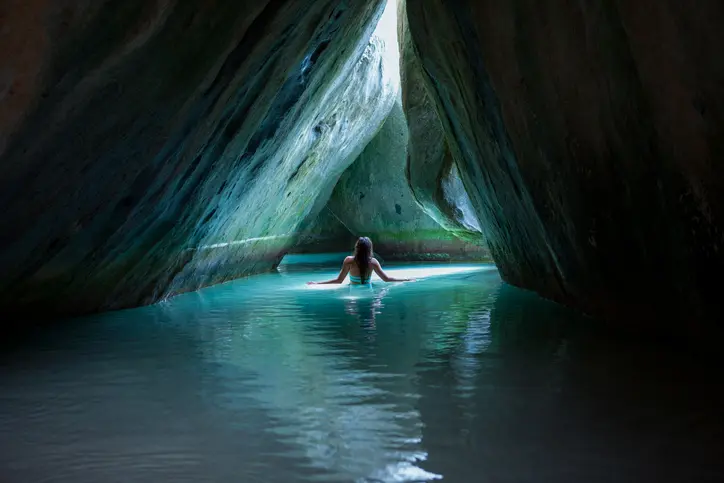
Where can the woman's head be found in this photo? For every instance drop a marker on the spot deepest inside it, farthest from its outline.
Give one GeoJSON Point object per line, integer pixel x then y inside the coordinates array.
{"type": "Point", "coordinates": [363, 247]}
{"type": "Point", "coordinates": [362, 256]}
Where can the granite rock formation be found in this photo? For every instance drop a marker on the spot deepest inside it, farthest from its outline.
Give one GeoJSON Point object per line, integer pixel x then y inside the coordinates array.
{"type": "Point", "coordinates": [373, 198]}
{"type": "Point", "coordinates": [325, 233]}
{"type": "Point", "coordinates": [149, 148]}
{"type": "Point", "coordinates": [589, 137]}
{"type": "Point", "coordinates": [404, 190]}
{"type": "Point", "coordinates": [431, 171]}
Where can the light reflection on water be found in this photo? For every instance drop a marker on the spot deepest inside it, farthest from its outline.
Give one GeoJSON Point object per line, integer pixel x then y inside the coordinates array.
{"type": "Point", "coordinates": [455, 376]}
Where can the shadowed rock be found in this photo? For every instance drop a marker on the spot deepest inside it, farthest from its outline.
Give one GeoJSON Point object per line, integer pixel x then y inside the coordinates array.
{"type": "Point", "coordinates": [589, 137]}
{"type": "Point", "coordinates": [153, 148]}
{"type": "Point", "coordinates": [148, 148]}
{"type": "Point", "coordinates": [325, 233]}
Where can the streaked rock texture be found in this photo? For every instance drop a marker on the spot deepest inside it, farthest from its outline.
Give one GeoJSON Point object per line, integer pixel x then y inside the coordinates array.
{"type": "Point", "coordinates": [431, 170]}
{"type": "Point", "coordinates": [373, 198]}
{"type": "Point", "coordinates": [590, 137]}
{"type": "Point", "coordinates": [325, 233]}
{"type": "Point", "coordinates": [150, 148]}
{"type": "Point", "coordinates": [153, 147]}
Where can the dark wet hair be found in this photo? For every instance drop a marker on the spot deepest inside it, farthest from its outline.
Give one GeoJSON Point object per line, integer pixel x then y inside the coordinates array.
{"type": "Point", "coordinates": [363, 257]}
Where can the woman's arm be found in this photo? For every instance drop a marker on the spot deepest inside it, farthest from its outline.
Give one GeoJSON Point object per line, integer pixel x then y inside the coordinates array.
{"type": "Point", "coordinates": [340, 278]}
{"type": "Point", "coordinates": [381, 273]}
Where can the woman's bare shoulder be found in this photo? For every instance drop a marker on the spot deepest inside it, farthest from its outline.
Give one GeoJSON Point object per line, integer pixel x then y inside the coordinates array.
{"type": "Point", "coordinates": [374, 261]}
{"type": "Point", "coordinates": [349, 259]}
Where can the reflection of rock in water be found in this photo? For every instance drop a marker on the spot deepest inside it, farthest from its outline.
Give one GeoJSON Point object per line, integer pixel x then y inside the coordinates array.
{"type": "Point", "coordinates": [543, 385]}
{"type": "Point", "coordinates": [462, 377]}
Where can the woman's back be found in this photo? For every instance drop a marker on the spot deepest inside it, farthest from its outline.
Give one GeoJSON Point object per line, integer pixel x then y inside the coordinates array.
{"type": "Point", "coordinates": [361, 265]}
{"type": "Point", "coordinates": [355, 272]}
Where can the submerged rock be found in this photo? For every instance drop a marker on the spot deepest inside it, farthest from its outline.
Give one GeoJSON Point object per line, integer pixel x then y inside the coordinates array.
{"type": "Point", "coordinates": [154, 148]}
{"type": "Point", "coordinates": [589, 138]}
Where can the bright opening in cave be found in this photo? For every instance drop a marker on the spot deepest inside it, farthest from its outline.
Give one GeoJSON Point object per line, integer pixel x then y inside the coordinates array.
{"type": "Point", "coordinates": [387, 32]}
{"type": "Point", "coordinates": [409, 216]}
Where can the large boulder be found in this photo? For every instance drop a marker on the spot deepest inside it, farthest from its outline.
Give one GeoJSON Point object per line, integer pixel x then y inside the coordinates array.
{"type": "Point", "coordinates": [325, 233]}
{"type": "Point", "coordinates": [149, 148]}
{"type": "Point", "coordinates": [590, 138]}
{"type": "Point", "coordinates": [431, 171]}
{"type": "Point", "coordinates": [373, 198]}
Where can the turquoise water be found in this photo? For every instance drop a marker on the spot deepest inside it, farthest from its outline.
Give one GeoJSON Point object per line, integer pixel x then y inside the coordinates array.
{"type": "Point", "coordinates": [455, 377]}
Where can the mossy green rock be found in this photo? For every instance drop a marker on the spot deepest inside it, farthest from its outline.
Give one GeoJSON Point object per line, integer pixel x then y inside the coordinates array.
{"type": "Point", "coordinates": [373, 198]}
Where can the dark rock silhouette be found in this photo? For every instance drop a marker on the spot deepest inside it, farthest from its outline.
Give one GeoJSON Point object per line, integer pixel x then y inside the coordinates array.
{"type": "Point", "coordinates": [589, 139]}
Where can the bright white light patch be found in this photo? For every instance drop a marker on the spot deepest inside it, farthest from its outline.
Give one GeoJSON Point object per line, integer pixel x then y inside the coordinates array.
{"type": "Point", "coordinates": [330, 286]}
{"type": "Point", "coordinates": [418, 273]}
{"type": "Point", "coordinates": [387, 32]}
{"type": "Point", "coordinates": [427, 272]}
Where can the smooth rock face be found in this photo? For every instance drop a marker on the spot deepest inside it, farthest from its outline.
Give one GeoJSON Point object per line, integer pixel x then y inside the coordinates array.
{"type": "Point", "coordinates": [590, 137]}
{"type": "Point", "coordinates": [431, 170]}
{"type": "Point", "coordinates": [325, 233]}
{"type": "Point", "coordinates": [149, 148]}
{"type": "Point", "coordinates": [373, 198]}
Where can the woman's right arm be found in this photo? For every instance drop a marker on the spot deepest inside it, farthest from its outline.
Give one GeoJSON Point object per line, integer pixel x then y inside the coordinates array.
{"type": "Point", "coordinates": [381, 273]}
{"type": "Point", "coordinates": [340, 278]}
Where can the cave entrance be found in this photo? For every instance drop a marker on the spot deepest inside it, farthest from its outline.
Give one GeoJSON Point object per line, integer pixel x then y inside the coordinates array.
{"type": "Point", "coordinates": [374, 196]}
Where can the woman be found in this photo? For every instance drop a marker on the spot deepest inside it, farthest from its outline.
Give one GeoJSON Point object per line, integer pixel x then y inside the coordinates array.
{"type": "Point", "coordinates": [360, 267]}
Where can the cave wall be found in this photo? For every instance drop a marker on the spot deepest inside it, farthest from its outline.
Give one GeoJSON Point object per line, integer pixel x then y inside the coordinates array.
{"type": "Point", "coordinates": [149, 148]}
{"type": "Point", "coordinates": [325, 233]}
{"type": "Point", "coordinates": [589, 136]}
{"type": "Point", "coordinates": [431, 170]}
{"type": "Point", "coordinates": [373, 198]}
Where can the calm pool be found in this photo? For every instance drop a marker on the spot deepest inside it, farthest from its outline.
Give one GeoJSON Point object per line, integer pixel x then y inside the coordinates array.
{"type": "Point", "coordinates": [455, 377]}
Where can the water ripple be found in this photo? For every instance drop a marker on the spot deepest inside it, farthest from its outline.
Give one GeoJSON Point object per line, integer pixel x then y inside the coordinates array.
{"type": "Point", "coordinates": [456, 377]}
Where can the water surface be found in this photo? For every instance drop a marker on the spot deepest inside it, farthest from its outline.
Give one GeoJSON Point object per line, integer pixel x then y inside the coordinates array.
{"type": "Point", "coordinates": [455, 377]}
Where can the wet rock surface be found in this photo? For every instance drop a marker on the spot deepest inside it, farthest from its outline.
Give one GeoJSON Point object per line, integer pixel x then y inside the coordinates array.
{"type": "Point", "coordinates": [590, 142]}
{"type": "Point", "coordinates": [153, 148]}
